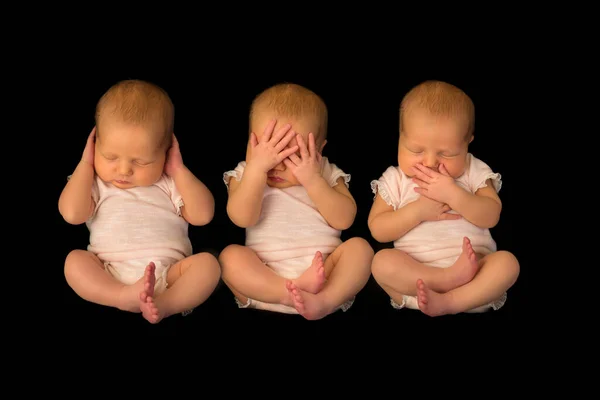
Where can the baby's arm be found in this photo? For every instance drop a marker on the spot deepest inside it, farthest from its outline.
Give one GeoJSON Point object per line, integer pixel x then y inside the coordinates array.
{"type": "Point", "coordinates": [198, 201]}
{"type": "Point", "coordinates": [482, 208]}
{"type": "Point", "coordinates": [75, 203]}
{"type": "Point", "coordinates": [336, 204]}
{"type": "Point", "coordinates": [245, 196]}
{"type": "Point", "coordinates": [387, 225]}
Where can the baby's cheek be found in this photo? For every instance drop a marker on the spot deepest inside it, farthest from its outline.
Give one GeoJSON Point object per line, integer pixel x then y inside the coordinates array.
{"type": "Point", "coordinates": [454, 169]}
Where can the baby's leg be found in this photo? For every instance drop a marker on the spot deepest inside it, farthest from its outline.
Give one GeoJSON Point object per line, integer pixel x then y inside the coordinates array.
{"type": "Point", "coordinates": [396, 272]}
{"type": "Point", "coordinates": [350, 266]}
{"type": "Point", "coordinates": [498, 272]}
{"type": "Point", "coordinates": [247, 277]}
{"type": "Point", "coordinates": [86, 275]}
{"type": "Point", "coordinates": [189, 283]}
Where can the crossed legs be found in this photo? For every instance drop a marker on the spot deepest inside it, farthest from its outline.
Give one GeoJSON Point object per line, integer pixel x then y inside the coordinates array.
{"type": "Point", "coordinates": [322, 288]}
{"type": "Point", "coordinates": [189, 283]}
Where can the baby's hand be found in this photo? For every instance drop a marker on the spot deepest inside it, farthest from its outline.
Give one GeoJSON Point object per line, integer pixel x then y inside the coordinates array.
{"type": "Point", "coordinates": [307, 167]}
{"type": "Point", "coordinates": [432, 210]}
{"type": "Point", "coordinates": [438, 186]}
{"type": "Point", "coordinates": [90, 148]}
{"type": "Point", "coordinates": [174, 160]}
{"type": "Point", "coordinates": [271, 149]}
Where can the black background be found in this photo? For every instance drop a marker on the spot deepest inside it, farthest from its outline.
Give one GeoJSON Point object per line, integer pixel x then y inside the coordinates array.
{"type": "Point", "coordinates": [211, 120]}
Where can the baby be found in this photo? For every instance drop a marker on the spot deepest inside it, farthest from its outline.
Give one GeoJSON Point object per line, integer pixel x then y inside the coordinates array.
{"type": "Point", "coordinates": [294, 204]}
{"type": "Point", "coordinates": [137, 197]}
{"type": "Point", "coordinates": [437, 206]}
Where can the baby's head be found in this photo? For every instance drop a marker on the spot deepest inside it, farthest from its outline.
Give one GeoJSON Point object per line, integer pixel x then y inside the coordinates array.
{"type": "Point", "coordinates": [293, 104]}
{"type": "Point", "coordinates": [134, 128]}
{"type": "Point", "coordinates": [436, 126]}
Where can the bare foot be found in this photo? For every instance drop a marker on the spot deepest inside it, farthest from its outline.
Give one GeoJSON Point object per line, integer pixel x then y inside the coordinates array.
{"type": "Point", "coordinates": [309, 305]}
{"type": "Point", "coordinates": [313, 279]}
{"type": "Point", "coordinates": [465, 267]}
{"type": "Point", "coordinates": [146, 296]}
{"type": "Point", "coordinates": [430, 302]}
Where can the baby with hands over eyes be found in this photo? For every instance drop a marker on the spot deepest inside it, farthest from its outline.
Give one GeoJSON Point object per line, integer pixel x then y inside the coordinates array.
{"type": "Point", "coordinates": [437, 207]}
{"type": "Point", "coordinates": [137, 198]}
{"type": "Point", "coordinates": [294, 204]}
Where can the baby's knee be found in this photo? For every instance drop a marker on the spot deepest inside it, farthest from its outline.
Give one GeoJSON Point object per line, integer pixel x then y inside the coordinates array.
{"type": "Point", "coordinates": [383, 263]}
{"type": "Point", "coordinates": [511, 263]}
{"type": "Point", "coordinates": [205, 258]}
{"type": "Point", "coordinates": [77, 261]}
{"type": "Point", "coordinates": [504, 261]}
{"type": "Point", "coordinates": [209, 263]}
{"type": "Point", "coordinates": [75, 258]}
{"type": "Point", "coordinates": [230, 252]}
{"type": "Point", "coordinates": [361, 245]}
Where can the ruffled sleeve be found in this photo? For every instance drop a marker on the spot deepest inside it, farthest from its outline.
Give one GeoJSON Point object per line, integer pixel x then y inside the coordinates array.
{"type": "Point", "coordinates": [479, 173]}
{"type": "Point", "coordinates": [388, 187]}
{"type": "Point", "coordinates": [176, 197]}
{"type": "Point", "coordinates": [234, 173]}
{"type": "Point", "coordinates": [332, 173]}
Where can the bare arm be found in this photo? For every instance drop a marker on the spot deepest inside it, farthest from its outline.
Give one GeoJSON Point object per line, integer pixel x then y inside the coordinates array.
{"type": "Point", "coordinates": [75, 203]}
{"type": "Point", "coordinates": [245, 197]}
{"type": "Point", "coordinates": [244, 203]}
{"type": "Point", "coordinates": [199, 203]}
{"type": "Point", "coordinates": [387, 225]}
{"type": "Point", "coordinates": [336, 204]}
{"type": "Point", "coordinates": [482, 208]}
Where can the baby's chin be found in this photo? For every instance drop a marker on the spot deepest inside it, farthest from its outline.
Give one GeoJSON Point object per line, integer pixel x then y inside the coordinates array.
{"type": "Point", "coordinates": [128, 184]}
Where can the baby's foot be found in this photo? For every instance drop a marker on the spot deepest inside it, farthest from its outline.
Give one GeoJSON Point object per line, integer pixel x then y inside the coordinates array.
{"type": "Point", "coordinates": [430, 302]}
{"type": "Point", "coordinates": [309, 305]}
{"type": "Point", "coordinates": [313, 279]}
{"type": "Point", "coordinates": [465, 267]}
{"type": "Point", "coordinates": [146, 296]}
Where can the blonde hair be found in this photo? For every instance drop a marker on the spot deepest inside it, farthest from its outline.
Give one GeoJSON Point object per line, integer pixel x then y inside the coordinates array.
{"type": "Point", "coordinates": [141, 103]}
{"type": "Point", "coordinates": [440, 99]}
{"type": "Point", "coordinates": [292, 100]}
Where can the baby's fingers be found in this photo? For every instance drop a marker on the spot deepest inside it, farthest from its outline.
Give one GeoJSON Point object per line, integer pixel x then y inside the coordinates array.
{"type": "Point", "coordinates": [92, 136]}
{"type": "Point", "coordinates": [277, 137]}
{"type": "Point", "coordinates": [286, 153]}
{"type": "Point", "coordinates": [253, 140]}
{"type": "Point", "coordinates": [303, 149]}
{"type": "Point", "coordinates": [269, 130]}
{"type": "Point", "coordinates": [284, 141]}
{"type": "Point", "coordinates": [448, 216]}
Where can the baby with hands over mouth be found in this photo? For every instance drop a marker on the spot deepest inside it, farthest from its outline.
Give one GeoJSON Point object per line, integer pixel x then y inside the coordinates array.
{"type": "Point", "coordinates": [437, 206]}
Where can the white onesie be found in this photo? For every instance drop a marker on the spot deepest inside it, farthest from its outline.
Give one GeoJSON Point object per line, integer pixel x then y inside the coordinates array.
{"type": "Point", "coordinates": [290, 230]}
{"type": "Point", "coordinates": [439, 243]}
{"type": "Point", "coordinates": [131, 227]}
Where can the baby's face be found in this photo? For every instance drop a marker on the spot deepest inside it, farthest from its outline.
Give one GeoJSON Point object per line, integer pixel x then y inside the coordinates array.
{"type": "Point", "coordinates": [432, 141]}
{"type": "Point", "coordinates": [280, 176]}
{"type": "Point", "coordinates": [128, 155]}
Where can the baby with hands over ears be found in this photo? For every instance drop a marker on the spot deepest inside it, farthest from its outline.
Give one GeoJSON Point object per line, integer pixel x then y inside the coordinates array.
{"type": "Point", "coordinates": [294, 204]}
{"type": "Point", "coordinates": [137, 198]}
{"type": "Point", "coordinates": [437, 207]}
